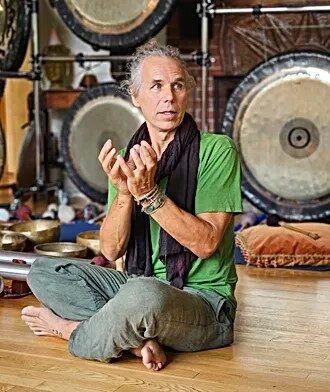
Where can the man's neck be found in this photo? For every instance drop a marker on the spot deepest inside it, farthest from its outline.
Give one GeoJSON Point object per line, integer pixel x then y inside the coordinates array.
{"type": "Point", "coordinates": [160, 141]}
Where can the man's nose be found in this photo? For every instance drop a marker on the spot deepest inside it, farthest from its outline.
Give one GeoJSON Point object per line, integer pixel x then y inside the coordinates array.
{"type": "Point", "coordinates": [168, 93]}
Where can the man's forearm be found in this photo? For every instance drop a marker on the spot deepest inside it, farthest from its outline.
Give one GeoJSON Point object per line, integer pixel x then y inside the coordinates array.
{"type": "Point", "coordinates": [115, 230]}
{"type": "Point", "coordinates": [200, 236]}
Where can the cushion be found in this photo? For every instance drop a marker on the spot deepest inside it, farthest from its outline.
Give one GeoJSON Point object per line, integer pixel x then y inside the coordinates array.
{"type": "Point", "coordinates": [266, 246]}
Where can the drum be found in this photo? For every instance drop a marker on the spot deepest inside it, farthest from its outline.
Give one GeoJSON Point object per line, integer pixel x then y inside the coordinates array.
{"type": "Point", "coordinates": [278, 117]}
{"type": "Point", "coordinates": [14, 33]}
{"type": "Point", "coordinates": [100, 113]}
{"type": "Point", "coordinates": [115, 24]}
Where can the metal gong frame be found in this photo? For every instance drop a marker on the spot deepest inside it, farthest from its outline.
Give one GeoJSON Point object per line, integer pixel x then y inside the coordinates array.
{"type": "Point", "coordinates": [314, 208]}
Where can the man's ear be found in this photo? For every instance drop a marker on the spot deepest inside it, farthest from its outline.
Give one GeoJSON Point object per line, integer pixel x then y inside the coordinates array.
{"type": "Point", "coordinates": [135, 101]}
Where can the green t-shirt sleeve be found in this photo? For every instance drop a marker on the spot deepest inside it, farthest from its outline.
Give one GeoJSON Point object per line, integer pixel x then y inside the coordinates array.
{"type": "Point", "coordinates": [219, 177]}
{"type": "Point", "coordinates": [112, 193]}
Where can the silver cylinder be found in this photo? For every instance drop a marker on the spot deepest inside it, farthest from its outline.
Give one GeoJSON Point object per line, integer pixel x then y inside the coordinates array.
{"type": "Point", "coordinates": [8, 256]}
{"type": "Point", "coordinates": [14, 271]}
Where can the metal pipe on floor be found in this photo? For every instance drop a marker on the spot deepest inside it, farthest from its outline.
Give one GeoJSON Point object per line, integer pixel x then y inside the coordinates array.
{"type": "Point", "coordinates": [7, 256]}
{"type": "Point", "coordinates": [14, 271]}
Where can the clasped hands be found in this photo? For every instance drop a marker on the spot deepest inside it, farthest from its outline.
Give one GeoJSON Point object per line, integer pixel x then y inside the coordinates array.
{"type": "Point", "coordinates": [135, 177]}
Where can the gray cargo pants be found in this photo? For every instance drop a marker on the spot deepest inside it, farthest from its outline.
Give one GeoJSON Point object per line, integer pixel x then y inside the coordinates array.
{"type": "Point", "coordinates": [118, 312]}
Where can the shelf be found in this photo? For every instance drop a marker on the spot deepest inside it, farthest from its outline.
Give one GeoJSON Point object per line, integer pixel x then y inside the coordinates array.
{"type": "Point", "coordinates": [60, 99]}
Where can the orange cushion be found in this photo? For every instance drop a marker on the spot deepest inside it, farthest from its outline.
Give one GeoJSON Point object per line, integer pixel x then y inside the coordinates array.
{"type": "Point", "coordinates": [266, 246]}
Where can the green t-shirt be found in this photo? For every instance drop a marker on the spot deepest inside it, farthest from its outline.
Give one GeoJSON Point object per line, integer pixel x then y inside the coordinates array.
{"type": "Point", "coordinates": [218, 190]}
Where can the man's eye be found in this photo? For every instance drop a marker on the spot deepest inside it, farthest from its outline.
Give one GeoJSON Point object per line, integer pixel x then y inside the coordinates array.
{"type": "Point", "coordinates": [178, 86]}
{"type": "Point", "coordinates": [156, 86]}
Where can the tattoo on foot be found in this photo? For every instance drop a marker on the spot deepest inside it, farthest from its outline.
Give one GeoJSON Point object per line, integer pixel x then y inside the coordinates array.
{"type": "Point", "coordinates": [56, 332]}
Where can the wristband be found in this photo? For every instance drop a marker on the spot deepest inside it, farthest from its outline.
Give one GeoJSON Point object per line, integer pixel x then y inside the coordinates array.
{"type": "Point", "coordinates": [157, 202]}
{"type": "Point", "coordinates": [147, 196]}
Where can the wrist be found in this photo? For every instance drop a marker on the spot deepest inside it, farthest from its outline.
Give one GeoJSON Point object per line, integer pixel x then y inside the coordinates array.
{"type": "Point", "coordinates": [146, 196]}
{"type": "Point", "coordinates": [151, 205]}
{"type": "Point", "coordinates": [124, 195]}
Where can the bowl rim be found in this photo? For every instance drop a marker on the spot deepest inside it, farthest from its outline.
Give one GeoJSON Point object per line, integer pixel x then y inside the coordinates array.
{"type": "Point", "coordinates": [21, 237]}
{"type": "Point", "coordinates": [74, 244]}
{"type": "Point", "coordinates": [56, 225]}
{"type": "Point", "coordinates": [79, 235]}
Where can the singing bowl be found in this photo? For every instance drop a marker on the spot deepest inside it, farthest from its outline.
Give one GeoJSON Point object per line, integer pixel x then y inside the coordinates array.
{"type": "Point", "coordinates": [12, 241]}
{"type": "Point", "coordinates": [38, 231]}
{"type": "Point", "coordinates": [61, 249]}
{"type": "Point", "coordinates": [91, 239]}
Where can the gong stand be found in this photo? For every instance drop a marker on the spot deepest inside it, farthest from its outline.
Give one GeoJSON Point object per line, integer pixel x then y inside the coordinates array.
{"type": "Point", "coordinates": [206, 9]}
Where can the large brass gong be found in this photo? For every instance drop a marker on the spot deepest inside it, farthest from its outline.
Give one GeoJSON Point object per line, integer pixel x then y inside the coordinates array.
{"type": "Point", "coordinates": [279, 117]}
{"type": "Point", "coordinates": [100, 113]}
{"type": "Point", "coordinates": [115, 24]}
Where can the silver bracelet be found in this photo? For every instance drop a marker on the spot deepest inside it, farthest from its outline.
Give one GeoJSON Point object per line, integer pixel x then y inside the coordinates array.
{"type": "Point", "coordinates": [147, 196]}
{"type": "Point", "coordinates": [157, 202]}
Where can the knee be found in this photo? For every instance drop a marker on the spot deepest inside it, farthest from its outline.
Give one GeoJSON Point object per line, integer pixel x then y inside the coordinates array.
{"type": "Point", "coordinates": [144, 295]}
{"type": "Point", "coordinates": [39, 273]}
{"type": "Point", "coordinates": [33, 277]}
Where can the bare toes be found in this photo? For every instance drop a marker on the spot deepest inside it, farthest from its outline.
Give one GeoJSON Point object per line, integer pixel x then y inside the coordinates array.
{"type": "Point", "coordinates": [28, 319]}
{"type": "Point", "coordinates": [31, 311]}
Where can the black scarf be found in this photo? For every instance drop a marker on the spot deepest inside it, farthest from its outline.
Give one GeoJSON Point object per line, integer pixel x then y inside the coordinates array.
{"type": "Point", "coordinates": [179, 163]}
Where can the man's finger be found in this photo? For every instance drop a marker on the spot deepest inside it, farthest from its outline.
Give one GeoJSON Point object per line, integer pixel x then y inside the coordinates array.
{"type": "Point", "coordinates": [123, 165]}
{"type": "Point", "coordinates": [150, 149]}
{"type": "Point", "coordinates": [115, 169]}
{"type": "Point", "coordinates": [137, 159]}
{"type": "Point", "coordinates": [107, 162]}
{"type": "Point", "coordinates": [150, 162]}
{"type": "Point", "coordinates": [105, 150]}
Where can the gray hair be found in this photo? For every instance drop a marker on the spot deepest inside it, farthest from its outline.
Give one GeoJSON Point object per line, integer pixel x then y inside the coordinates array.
{"type": "Point", "coordinates": [152, 48]}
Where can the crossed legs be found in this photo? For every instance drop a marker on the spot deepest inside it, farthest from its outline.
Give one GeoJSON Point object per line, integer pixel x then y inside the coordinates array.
{"type": "Point", "coordinates": [102, 312]}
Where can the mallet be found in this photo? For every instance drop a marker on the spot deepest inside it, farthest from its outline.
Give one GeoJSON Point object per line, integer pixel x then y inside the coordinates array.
{"type": "Point", "coordinates": [274, 220]}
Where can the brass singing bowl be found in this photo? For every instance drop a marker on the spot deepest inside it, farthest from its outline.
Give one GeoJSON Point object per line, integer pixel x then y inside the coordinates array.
{"type": "Point", "coordinates": [61, 249]}
{"type": "Point", "coordinates": [12, 241]}
{"type": "Point", "coordinates": [91, 239]}
{"type": "Point", "coordinates": [38, 231]}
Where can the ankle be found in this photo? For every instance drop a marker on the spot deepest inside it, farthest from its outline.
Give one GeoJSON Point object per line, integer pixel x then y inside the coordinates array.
{"type": "Point", "coordinates": [66, 330]}
{"type": "Point", "coordinates": [137, 350]}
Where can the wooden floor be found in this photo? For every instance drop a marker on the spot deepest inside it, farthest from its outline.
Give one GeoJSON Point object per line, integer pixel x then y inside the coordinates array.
{"type": "Point", "coordinates": [282, 344]}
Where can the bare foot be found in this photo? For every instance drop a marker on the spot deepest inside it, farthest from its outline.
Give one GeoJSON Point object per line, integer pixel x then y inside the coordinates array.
{"type": "Point", "coordinates": [153, 356]}
{"type": "Point", "coordinates": [43, 322]}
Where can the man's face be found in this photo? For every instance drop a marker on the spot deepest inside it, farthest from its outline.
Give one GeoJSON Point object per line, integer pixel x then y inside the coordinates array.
{"type": "Point", "coordinates": [163, 96]}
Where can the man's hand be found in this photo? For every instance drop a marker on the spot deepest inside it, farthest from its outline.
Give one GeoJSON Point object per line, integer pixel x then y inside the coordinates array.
{"type": "Point", "coordinates": [141, 179]}
{"type": "Point", "coordinates": [111, 167]}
